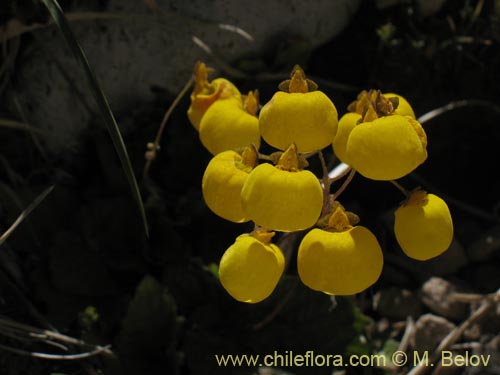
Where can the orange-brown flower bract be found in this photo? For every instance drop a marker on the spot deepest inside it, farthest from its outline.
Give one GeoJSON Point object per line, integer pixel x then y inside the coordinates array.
{"type": "Point", "coordinates": [403, 108]}
{"type": "Point", "coordinates": [250, 268]}
{"type": "Point", "coordinates": [341, 259]}
{"type": "Point", "coordinates": [223, 180]}
{"type": "Point", "coordinates": [423, 226]}
{"type": "Point", "coordinates": [301, 115]}
{"type": "Point", "coordinates": [282, 197]}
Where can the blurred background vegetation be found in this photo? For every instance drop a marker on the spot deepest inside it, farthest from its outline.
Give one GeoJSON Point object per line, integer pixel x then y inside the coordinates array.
{"type": "Point", "coordinates": [80, 264]}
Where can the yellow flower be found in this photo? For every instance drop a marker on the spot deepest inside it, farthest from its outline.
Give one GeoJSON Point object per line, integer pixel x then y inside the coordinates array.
{"type": "Point", "coordinates": [423, 226]}
{"type": "Point", "coordinates": [346, 125]}
{"type": "Point", "coordinates": [404, 108]}
{"type": "Point", "coordinates": [206, 93]}
{"type": "Point", "coordinates": [282, 197]}
{"type": "Point", "coordinates": [223, 180]}
{"type": "Point", "coordinates": [340, 259]}
{"type": "Point", "coordinates": [302, 115]}
{"type": "Point", "coordinates": [250, 268]}
{"type": "Point", "coordinates": [377, 142]}
{"type": "Point", "coordinates": [230, 124]}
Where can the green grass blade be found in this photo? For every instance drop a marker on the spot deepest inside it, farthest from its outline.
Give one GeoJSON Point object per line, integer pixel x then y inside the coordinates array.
{"type": "Point", "coordinates": [25, 214]}
{"type": "Point", "coordinates": [105, 111]}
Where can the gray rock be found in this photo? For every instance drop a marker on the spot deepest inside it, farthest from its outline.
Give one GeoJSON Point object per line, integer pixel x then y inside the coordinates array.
{"type": "Point", "coordinates": [490, 323]}
{"type": "Point", "coordinates": [397, 303]}
{"type": "Point", "coordinates": [448, 370]}
{"type": "Point", "coordinates": [492, 348]}
{"type": "Point", "coordinates": [488, 349]}
{"type": "Point", "coordinates": [429, 331]}
{"type": "Point", "coordinates": [437, 294]}
{"type": "Point", "coordinates": [135, 48]}
{"type": "Point", "coordinates": [472, 333]}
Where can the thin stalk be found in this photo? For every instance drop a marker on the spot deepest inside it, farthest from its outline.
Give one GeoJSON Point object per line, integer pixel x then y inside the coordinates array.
{"type": "Point", "coordinates": [339, 172]}
{"type": "Point", "coordinates": [155, 146]}
{"type": "Point", "coordinates": [344, 185]}
{"type": "Point", "coordinates": [400, 188]}
{"type": "Point", "coordinates": [265, 157]}
{"type": "Point", "coordinates": [25, 214]}
{"type": "Point", "coordinates": [92, 353]}
{"type": "Point", "coordinates": [326, 181]}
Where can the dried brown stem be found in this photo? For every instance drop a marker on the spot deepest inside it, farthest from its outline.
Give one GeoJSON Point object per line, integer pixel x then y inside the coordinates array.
{"type": "Point", "coordinates": [405, 192]}
{"type": "Point", "coordinates": [155, 147]}
{"type": "Point", "coordinates": [454, 335]}
{"type": "Point", "coordinates": [27, 333]}
{"type": "Point", "coordinates": [99, 350]}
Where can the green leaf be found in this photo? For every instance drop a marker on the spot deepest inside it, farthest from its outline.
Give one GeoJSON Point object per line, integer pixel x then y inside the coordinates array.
{"type": "Point", "coordinates": [104, 109]}
{"type": "Point", "coordinates": [358, 346]}
{"type": "Point", "coordinates": [213, 268]}
{"type": "Point", "coordinates": [88, 317]}
{"type": "Point", "coordinates": [148, 339]}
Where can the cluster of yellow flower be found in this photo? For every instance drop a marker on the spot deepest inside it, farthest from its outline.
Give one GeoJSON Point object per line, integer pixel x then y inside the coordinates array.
{"type": "Point", "coordinates": [379, 138]}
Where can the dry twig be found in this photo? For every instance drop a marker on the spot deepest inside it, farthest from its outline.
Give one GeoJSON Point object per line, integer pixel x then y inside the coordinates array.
{"type": "Point", "coordinates": [487, 302]}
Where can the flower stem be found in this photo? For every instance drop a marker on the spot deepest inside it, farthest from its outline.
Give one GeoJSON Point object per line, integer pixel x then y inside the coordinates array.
{"type": "Point", "coordinates": [154, 147]}
{"type": "Point", "coordinates": [344, 185]}
{"type": "Point", "coordinates": [341, 175]}
{"type": "Point", "coordinates": [400, 188]}
{"type": "Point", "coordinates": [326, 181]}
{"type": "Point", "coordinates": [265, 157]}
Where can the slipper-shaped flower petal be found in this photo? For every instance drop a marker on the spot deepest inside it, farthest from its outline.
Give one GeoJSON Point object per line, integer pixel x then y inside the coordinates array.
{"type": "Point", "coordinates": [346, 124]}
{"type": "Point", "coordinates": [423, 226]}
{"type": "Point", "coordinates": [387, 148]}
{"type": "Point", "coordinates": [307, 118]}
{"type": "Point", "coordinates": [380, 137]}
{"type": "Point", "coordinates": [341, 260]}
{"type": "Point", "coordinates": [223, 180]}
{"type": "Point", "coordinates": [340, 263]}
{"type": "Point", "coordinates": [206, 93]}
{"type": "Point", "coordinates": [281, 198]}
{"type": "Point", "coordinates": [251, 268]}
{"type": "Point", "coordinates": [227, 125]}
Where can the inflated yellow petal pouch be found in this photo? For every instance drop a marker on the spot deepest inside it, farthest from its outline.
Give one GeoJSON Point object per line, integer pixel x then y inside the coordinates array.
{"type": "Point", "coordinates": [403, 108]}
{"type": "Point", "coordinates": [423, 226]}
{"type": "Point", "coordinates": [250, 268]}
{"type": "Point", "coordinates": [282, 197]}
{"type": "Point", "coordinates": [223, 180]}
{"type": "Point", "coordinates": [300, 114]}
{"type": "Point", "coordinates": [346, 125]}
{"type": "Point", "coordinates": [206, 93]}
{"type": "Point", "coordinates": [230, 124]}
{"type": "Point", "coordinates": [377, 142]}
{"type": "Point", "coordinates": [340, 259]}
{"type": "Point", "coordinates": [387, 148]}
